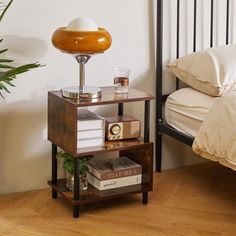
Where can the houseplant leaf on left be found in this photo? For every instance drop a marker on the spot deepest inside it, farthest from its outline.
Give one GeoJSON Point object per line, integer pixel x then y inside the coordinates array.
{"type": "Point", "coordinates": [8, 72]}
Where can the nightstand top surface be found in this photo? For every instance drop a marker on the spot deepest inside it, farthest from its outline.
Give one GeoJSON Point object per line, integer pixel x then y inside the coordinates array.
{"type": "Point", "coordinates": [108, 97]}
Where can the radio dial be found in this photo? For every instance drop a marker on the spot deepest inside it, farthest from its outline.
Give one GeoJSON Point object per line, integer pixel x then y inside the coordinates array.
{"type": "Point", "coordinates": [115, 129]}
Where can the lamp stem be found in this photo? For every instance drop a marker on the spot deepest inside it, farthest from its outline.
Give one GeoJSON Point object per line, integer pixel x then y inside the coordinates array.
{"type": "Point", "coordinates": [81, 74]}
{"type": "Point", "coordinates": [82, 60]}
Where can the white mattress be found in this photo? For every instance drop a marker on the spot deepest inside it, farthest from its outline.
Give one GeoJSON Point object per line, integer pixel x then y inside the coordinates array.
{"type": "Point", "coordinates": [186, 109]}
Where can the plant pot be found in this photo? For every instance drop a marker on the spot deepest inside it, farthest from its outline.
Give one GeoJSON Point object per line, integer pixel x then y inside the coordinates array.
{"type": "Point", "coordinates": [83, 181]}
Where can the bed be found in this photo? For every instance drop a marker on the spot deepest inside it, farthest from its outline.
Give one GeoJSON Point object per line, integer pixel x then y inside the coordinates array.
{"type": "Point", "coordinates": [186, 109]}
{"type": "Point", "coordinates": [195, 115]}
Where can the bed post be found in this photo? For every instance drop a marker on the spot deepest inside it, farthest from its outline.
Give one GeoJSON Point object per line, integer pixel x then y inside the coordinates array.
{"type": "Point", "coordinates": [159, 119]}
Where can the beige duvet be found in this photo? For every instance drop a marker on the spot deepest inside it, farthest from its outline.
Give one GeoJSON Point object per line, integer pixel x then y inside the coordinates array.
{"type": "Point", "coordinates": [216, 139]}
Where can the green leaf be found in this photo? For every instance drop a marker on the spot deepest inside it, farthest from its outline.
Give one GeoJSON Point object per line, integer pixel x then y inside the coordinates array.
{"type": "Point", "coordinates": [3, 66]}
{"type": "Point", "coordinates": [5, 10]}
{"type": "Point", "coordinates": [5, 60]}
{"type": "Point", "coordinates": [18, 70]}
{"type": "Point", "coordinates": [69, 162]}
{"type": "Point", "coordinates": [2, 87]}
{"type": "Point", "coordinates": [10, 74]}
{"type": "Point", "coordinates": [9, 83]}
{"type": "Point", "coordinates": [3, 50]}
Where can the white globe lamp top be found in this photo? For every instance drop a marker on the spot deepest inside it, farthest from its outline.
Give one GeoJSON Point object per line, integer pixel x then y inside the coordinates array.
{"type": "Point", "coordinates": [82, 24]}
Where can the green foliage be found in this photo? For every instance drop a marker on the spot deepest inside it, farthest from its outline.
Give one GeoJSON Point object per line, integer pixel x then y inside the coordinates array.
{"type": "Point", "coordinates": [7, 72]}
{"type": "Point", "coordinates": [4, 9]}
{"type": "Point", "coordinates": [69, 162]}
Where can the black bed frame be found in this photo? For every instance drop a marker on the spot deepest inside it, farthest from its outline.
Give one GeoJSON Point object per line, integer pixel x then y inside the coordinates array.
{"type": "Point", "coordinates": [161, 127]}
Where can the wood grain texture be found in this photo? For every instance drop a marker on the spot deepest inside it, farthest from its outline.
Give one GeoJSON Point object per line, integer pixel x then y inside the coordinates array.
{"type": "Point", "coordinates": [62, 123]}
{"type": "Point", "coordinates": [112, 146]}
{"type": "Point", "coordinates": [192, 201]}
{"type": "Point", "coordinates": [144, 157]}
{"type": "Point", "coordinates": [94, 195]}
{"type": "Point", "coordinates": [108, 97]}
{"type": "Point", "coordinates": [142, 154]}
{"type": "Point", "coordinates": [62, 120]}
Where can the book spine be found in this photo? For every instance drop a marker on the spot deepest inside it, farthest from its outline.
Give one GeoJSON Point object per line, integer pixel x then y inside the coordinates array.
{"type": "Point", "coordinates": [115, 174]}
{"type": "Point", "coordinates": [84, 125]}
{"type": "Point", "coordinates": [90, 134]}
{"type": "Point", "coordinates": [114, 183]}
{"type": "Point", "coordinates": [90, 143]}
{"type": "Point", "coordinates": [94, 172]}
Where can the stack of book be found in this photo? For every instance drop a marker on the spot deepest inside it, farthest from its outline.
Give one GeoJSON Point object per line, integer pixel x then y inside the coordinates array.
{"type": "Point", "coordinates": [114, 173]}
{"type": "Point", "coordinates": [90, 129]}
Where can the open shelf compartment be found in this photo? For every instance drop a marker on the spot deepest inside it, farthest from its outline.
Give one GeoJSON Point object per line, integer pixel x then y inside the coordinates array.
{"type": "Point", "coordinates": [95, 195]}
{"type": "Point", "coordinates": [63, 113]}
{"type": "Point", "coordinates": [141, 154]}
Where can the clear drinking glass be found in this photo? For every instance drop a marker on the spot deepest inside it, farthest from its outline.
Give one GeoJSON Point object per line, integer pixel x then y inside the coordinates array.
{"type": "Point", "coordinates": [121, 79]}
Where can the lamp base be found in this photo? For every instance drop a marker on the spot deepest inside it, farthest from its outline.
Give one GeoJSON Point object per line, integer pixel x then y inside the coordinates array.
{"type": "Point", "coordinates": [81, 92]}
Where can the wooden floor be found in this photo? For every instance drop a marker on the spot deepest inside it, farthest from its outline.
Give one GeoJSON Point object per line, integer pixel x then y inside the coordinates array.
{"type": "Point", "coordinates": [196, 200]}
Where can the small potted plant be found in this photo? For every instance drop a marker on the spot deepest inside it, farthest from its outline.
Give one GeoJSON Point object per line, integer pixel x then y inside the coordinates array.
{"type": "Point", "coordinates": [69, 167]}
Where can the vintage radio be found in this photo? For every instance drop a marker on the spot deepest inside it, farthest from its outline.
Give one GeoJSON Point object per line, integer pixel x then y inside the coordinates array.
{"type": "Point", "coordinates": [122, 127]}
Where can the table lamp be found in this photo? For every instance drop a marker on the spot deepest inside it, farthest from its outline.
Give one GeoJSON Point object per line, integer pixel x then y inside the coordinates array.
{"type": "Point", "coordinates": [82, 39]}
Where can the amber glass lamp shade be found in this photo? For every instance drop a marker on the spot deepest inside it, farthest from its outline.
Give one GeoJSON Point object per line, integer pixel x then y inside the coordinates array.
{"type": "Point", "coordinates": [87, 42]}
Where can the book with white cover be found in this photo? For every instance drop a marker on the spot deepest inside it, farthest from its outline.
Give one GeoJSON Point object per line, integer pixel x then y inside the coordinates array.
{"type": "Point", "coordinates": [87, 120]}
{"type": "Point", "coordinates": [90, 142]}
{"type": "Point", "coordinates": [90, 134]}
{"type": "Point", "coordinates": [114, 183]}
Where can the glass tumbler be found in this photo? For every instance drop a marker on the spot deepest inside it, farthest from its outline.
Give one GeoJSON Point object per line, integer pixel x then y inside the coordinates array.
{"type": "Point", "coordinates": [121, 79]}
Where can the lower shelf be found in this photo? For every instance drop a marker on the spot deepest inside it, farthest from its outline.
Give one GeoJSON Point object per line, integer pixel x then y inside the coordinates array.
{"type": "Point", "coordinates": [95, 195]}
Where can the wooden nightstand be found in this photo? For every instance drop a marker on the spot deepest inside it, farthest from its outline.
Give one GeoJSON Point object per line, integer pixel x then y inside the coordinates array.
{"type": "Point", "coordinates": [62, 132]}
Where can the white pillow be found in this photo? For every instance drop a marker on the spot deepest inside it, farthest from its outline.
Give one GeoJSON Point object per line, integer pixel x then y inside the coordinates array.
{"type": "Point", "coordinates": [211, 71]}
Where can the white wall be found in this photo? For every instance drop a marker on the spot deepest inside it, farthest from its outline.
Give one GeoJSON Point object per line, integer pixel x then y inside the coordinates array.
{"type": "Point", "coordinates": [27, 28]}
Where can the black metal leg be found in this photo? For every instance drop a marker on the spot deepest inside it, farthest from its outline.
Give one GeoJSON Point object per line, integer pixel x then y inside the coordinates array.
{"type": "Point", "coordinates": [54, 169]}
{"type": "Point", "coordinates": [158, 152]}
{"type": "Point", "coordinates": [120, 109]}
{"type": "Point", "coordinates": [54, 194]}
{"type": "Point", "coordinates": [76, 187]}
{"type": "Point", "coordinates": [145, 198]}
{"type": "Point", "coordinates": [75, 211]}
{"type": "Point", "coordinates": [146, 121]}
